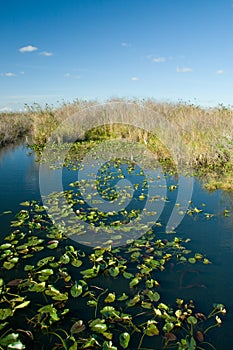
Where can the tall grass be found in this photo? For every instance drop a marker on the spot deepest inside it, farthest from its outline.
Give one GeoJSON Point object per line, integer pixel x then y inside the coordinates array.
{"type": "Point", "coordinates": [206, 135]}
{"type": "Point", "coordinates": [14, 126]}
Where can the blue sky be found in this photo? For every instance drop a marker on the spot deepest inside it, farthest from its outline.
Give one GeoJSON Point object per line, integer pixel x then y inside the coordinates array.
{"type": "Point", "coordinates": [55, 50]}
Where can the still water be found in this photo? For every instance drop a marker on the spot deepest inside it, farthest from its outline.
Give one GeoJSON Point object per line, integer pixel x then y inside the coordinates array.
{"type": "Point", "coordinates": [205, 284]}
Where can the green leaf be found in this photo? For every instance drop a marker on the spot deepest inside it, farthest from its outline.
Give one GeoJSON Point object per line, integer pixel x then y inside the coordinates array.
{"type": "Point", "coordinates": [4, 313]}
{"type": "Point", "coordinates": [98, 326]}
{"type": "Point", "coordinates": [29, 267]}
{"type": "Point", "coordinates": [23, 305]}
{"type": "Point", "coordinates": [114, 271]}
{"type": "Point", "coordinates": [37, 287]}
{"type": "Point", "coordinates": [124, 339]}
{"type": "Point", "coordinates": [192, 320]}
{"type": "Point", "coordinates": [134, 281]}
{"type": "Point", "coordinates": [76, 290]}
{"type": "Point", "coordinates": [151, 329]}
{"type": "Point", "coordinates": [45, 261]}
{"type": "Point", "coordinates": [146, 305]}
{"type": "Point", "coordinates": [110, 298]}
{"type": "Point", "coordinates": [128, 275]}
{"type": "Point", "coordinates": [123, 297]}
{"type": "Point", "coordinates": [153, 296]}
{"type": "Point", "coordinates": [76, 263]}
{"type": "Point", "coordinates": [192, 260]}
{"type": "Point", "coordinates": [168, 327]}
{"type": "Point", "coordinates": [8, 265]}
{"type": "Point", "coordinates": [133, 301]}
{"type": "Point", "coordinates": [192, 344]}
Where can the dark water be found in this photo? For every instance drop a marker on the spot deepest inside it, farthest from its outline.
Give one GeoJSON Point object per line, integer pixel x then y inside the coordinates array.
{"type": "Point", "coordinates": [205, 284]}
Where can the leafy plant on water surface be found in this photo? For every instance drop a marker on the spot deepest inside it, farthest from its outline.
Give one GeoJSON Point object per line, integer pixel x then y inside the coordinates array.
{"type": "Point", "coordinates": [101, 298]}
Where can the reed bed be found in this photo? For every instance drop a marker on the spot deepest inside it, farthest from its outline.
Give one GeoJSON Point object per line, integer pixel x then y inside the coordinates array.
{"type": "Point", "coordinates": [200, 138]}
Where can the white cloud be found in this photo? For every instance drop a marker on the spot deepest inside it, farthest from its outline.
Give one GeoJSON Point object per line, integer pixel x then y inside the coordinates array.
{"type": "Point", "coordinates": [220, 71]}
{"type": "Point", "coordinates": [73, 76]}
{"type": "Point", "coordinates": [135, 78]}
{"type": "Point", "coordinates": [28, 48]}
{"type": "Point", "coordinates": [159, 59]}
{"type": "Point", "coordinates": [125, 44]}
{"type": "Point", "coordinates": [46, 53]}
{"type": "Point", "coordinates": [8, 74]}
{"type": "Point", "coordinates": [184, 70]}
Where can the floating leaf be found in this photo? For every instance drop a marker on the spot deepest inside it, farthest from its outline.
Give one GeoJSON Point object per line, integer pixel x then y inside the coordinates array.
{"type": "Point", "coordinates": [37, 287]}
{"type": "Point", "coordinates": [133, 301]}
{"type": "Point", "coordinates": [123, 297]}
{"type": "Point", "coordinates": [124, 339]}
{"type": "Point", "coordinates": [4, 313]}
{"type": "Point", "coordinates": [192, 260]}
{"type": "Point", "coordinates": [151, 329]}
{"type": "Point", "coordinates": [168, 327]}
{"type": "Point", "coordinates": [192, 320]}
{"type": "Point", "coordinates": [110, 298]}
{"type": "Point", "coordinates": [23, 305]}
{"type": "Point", "coordinates": [109, 311]}
{"type": "Point", "coordinates": [98, 326]}
{"type": "Point", "coordinates": [134, 281]}
{"type": "Point", "coordinates": [8, 265]}
{"type": "Point", "coordinates": [128, 275]}
{"type": "Point", "coordinates": [114, 271]}
{"type": "Point", "coordinates": [153, 296]}
{"type": "Point", "coordinates": [76, 290]}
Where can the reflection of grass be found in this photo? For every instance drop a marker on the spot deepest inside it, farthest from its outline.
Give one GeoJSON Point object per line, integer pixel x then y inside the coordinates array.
{"type": "Point", "coordinates": [205, 134]}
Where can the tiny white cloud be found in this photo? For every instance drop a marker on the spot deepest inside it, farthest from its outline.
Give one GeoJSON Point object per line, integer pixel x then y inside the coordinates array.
{"type": "Point", "coordinates": [220, 71]}
{"type": "Point", "coordinates": [184, 70]}
{"type": "Point", "coordinates": [125, 44]}
{"type": "Point", "coordinates": [9, 74]}
{"type": "Point", "coordinates": [46, 53]}
{"type": "Point", "coordinates": [159, 59]}
{"type": "Point", "coordinates": [28, 48]}
{"type": "Point", "coordinates": [134, 78]}
{"type": "Point", "coordinates": [73, 76]}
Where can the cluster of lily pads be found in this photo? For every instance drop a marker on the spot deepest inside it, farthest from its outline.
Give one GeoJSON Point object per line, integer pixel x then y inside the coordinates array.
{"type": "Point", "coordinates": [59, 294]}
{"type": "Point", "coordinates": [56, 293]}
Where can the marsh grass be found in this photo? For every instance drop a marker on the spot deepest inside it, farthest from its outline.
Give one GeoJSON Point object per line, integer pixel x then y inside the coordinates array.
{"type": "Point", "coordinates": [14, 126]}
{"type": "Point", "coordinates": [206, 135]}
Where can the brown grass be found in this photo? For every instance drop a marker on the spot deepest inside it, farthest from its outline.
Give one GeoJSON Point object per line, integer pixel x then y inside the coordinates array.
{"type": "Point", "coordinates": [201, 138]}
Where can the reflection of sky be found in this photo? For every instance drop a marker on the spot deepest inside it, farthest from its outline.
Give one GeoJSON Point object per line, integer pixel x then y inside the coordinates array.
{"type": "Point", "coordinates": [18, 177]}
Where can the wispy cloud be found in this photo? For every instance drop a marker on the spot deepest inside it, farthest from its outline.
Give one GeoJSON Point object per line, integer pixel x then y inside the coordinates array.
{"type": "Point", "coordinates": [46, 53]}
{"type": "Point", "coordinates": [220, 71]}
{"type": "Point", "coordinates": [8, 74]}
{"type": "Point", "coordinates": [158, 59]}
{"type": "Point", "coordinates": [125, 44]}
{"type": "Point", "coordinates": [72, 76]}
{"type": "Point", "coordinates": [134, 78]}
{"type": "Point", "coordinates": [184, 69]}
{"type": "Point", "coordinates": [28, 48]}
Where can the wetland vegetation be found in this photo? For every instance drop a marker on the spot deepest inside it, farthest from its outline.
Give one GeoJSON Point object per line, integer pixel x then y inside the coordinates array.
{"type": "Point", "coordinates": [58, 293]}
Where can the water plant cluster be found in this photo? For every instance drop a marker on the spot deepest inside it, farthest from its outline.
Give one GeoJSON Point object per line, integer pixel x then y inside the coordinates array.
{"type": "Point", "coordinates": [58, 294]}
